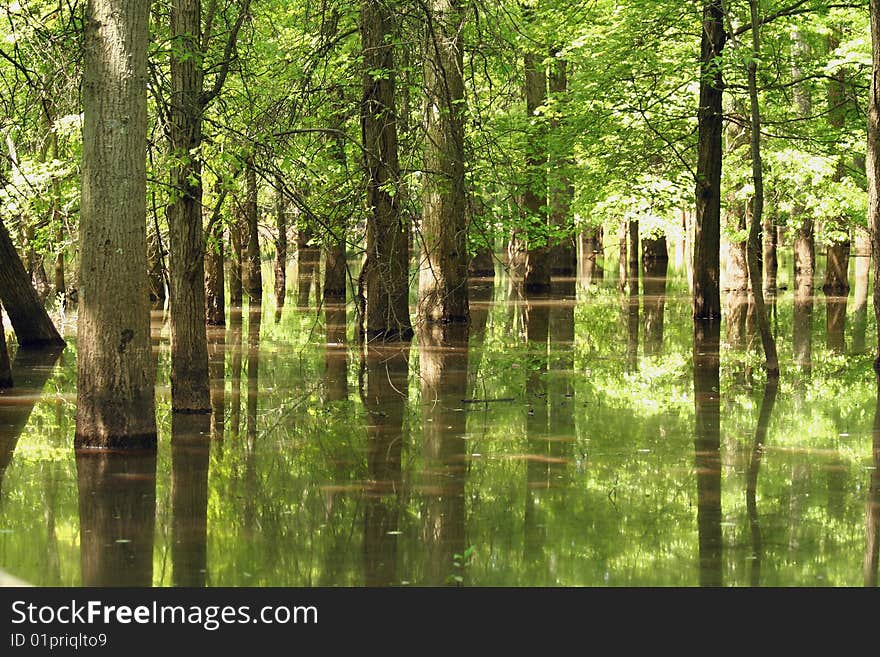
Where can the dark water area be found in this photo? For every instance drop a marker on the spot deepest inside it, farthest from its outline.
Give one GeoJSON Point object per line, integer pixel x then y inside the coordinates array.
{"type": "Point", "coordinates": [587, 438]}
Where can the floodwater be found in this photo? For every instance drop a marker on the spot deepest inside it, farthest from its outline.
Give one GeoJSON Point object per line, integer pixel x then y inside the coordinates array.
{"type": "Point", "coordinates": [588, 438]}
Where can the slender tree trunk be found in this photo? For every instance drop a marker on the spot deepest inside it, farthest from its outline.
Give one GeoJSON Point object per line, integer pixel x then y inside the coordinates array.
{"type": "Point", "coordinates": [32, 325]}
{"type": "Point", "coordinates": [252, 216]}
{"type": "Point", "coordinates": [633, 257]}
{"type": "Point", "coordinates": [385, 277]}
{"type": "Point", "coordinates": [621, 259]}
{"type": "Point", "coordinates": [707, 292]}
{"type": "Point", "coordinates": [862, 280]}
{"type": "Point", "coordinates": [115, 371]}
{"type": "Point", "coordinates": [837, 252]}
{"type": "Point", "coordinates": [280, 245]}
{"type": "Point", "coordinates": [443, 288]}
{"type": "Point", "coordinates": [335, 261]}
{"type": "Point", "coordinates": [769, 262]}
{"type": "Point", "coordinates": [767, 339]}
{"type": "Point", "coordinates": [156, 265]}
{"type": "Point", "coordinates": [655, 264]}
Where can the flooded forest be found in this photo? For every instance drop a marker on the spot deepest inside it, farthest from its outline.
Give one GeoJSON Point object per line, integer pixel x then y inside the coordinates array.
{"type": "Point", "coordinates": [529, 293]}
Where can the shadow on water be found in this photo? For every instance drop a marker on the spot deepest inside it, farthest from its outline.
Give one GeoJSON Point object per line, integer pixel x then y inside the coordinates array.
{"type": "Point", "coordinates": [443, 373]}
{"type": "Point", "coordinates": [31, 368]}
{"type": "Point", "coordinates": [190, 457]}
{"type": "Point", "coordinates": [384, 392]}
{"type": "Point", "coordinates": [707, 448]}
{"type": "Point", "coordinates": [117, 515]}
{"type": "Point", "coordinates": [771, 389]}
{"type": "Point", "coordinates": [872, 514]}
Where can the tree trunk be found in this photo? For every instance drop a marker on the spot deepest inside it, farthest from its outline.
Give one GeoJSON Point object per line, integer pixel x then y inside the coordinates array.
{"type": "Point", "coordinates": [862, 281]}
{"type": "Point", "coordinates": [280, 245]}
{"type": "Point", "coordinates": [30, 321]}
{"type": "Point", "coordinates": [754, 244]}
{"type": "Point", "coordinates": [335, 262]}
{"type": "Point", "coordinates": [837, 269]}
{"type": "Point", "coordinates": [189, 342]}
{"type": "Point", "coordinates": [482, 264]}
{"type": "Point", "coordinates": [707, 292]}
{"type": "Point", "coordinates": [385, 277]}
{"type": "Point", "coordinates": [156, 266]}
{"type": "Point", "coordinates": [622, 271]}
{"type": "Point", "coordinates": [190, 457]}
{"type": "Point", "coordinates": [563, 251]}
{"type": "Point", "coordinates": [655, 264]}
{"type": "Point", "coordinates": [769, 262]}
{"type": "Point", "coordinates": [215, 293]}
{"type": "Point", "coordinates": [537, 258]}
{"type": "Point", "coordinates": [633, 257]}
{"type": "Point", "coordinates": [5, 368]}
{"type": "Point", "coordinates": [236, 275]}
{"type": "Point", "coordinates": [443, 288]}
{"type": "Point", "coordinates": [252, 216]}
{"type": "Point", "coordinates": [115, 369]}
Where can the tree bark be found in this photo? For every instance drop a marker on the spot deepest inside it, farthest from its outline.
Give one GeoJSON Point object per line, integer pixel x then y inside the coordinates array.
{"type": "Point", "coordinates": [563, 250]}
{"type": "Point", "coordinates": [215, 293]}
{"type": "Point", "coordinates": [115, 368]}
{"type": "Point", "coordinates": [384, 282]}
{"type": "Point", "coordinates": [537, 258]}
{"type": "Point", "coordinates": [443, 270]}
{"type": "Point", "coordinates": [236, 276]}
{"type": "Point", "coordinates": [32, 325]}
{"type": "Point", "coordinates": [280, 245]}
{"type": "Point", "coordinates": [252, 216]}
{"type": "Point", "coordinates": [707, 293]}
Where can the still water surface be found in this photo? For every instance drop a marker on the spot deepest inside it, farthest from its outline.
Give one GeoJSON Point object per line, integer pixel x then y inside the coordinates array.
{"type": "Point", "coordinates": [589, 438]}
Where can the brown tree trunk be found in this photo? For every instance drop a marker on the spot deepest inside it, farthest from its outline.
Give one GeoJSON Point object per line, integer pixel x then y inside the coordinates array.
{"type": "Point", "coordinates": [252, 217]}
{"type": "Point", "coordinates": [837, 269]}
{"type": "Point", "coordinates": [443, 288]}
{"type": "Point", "coordinates": [769, 262]}
{"type": "Point", "coordinates": [632, 274]}
{"type": "Point", "coordinates": [482, 264]}
{"type": "Point", "coordinates": [335, 261]}
{"type": "Point", "coordinates": [707, 292]}
{"type": "Point", "coordinates": [32, 325]}
{"type": "Point", "coordinates": [622, 269]}
{"type": "Point", "coordinates": [115, 369]}
{"type": "Point", "coordinates": [189, 342]}
{"type": "Point", "coordinates": [156, 266]}
{"type": "Point", "coordinates": [384, 283]}
{"type": "Point", "coordinates": [873, 162]}
{"type": "Point", "coordinates": [862, 282]}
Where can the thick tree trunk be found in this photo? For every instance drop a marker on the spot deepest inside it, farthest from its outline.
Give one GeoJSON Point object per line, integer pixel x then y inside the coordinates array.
{"type": "Point", "coordinates": [32, 325]}
{"type": "Point", "coordinates": [115, 368]}
{"type": "Point", "coordinates": [280, 245]}
{"type": "Point", "coordinates": [443, 288]}
{"type": "Point", "coordinates": [252, 217]}
{"type": "Point", "coordinates": [537, 258]}
{"type": "Point", "coordinates": [707, 292]}
{"type": "Point", "coordinates": [189, 342]}
{"type": "Point", "coordinates": [385, 277]}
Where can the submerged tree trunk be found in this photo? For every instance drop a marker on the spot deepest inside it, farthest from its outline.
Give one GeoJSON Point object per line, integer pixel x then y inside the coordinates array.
{"type": "Point", "coordinates": [707, 292]}
{"type": "Point", "coordinates": [189, 342]}
{"type": "Point", "coordinates": [236, 273]}
{"type": "Point", "coordinates": [384, 283]}
{"type": "Point", "coordinates": [32, 325]}
{"type": "Point", "coordinates": [770, 262]}
{"type": "Point", "coordinates": [115, 370]}
{"type": "Point", "coordinates": [215, 288]}
{"type": "Point", "coordinates": [443, 288]}
{"type": "Point", "coordinates": [190, 458]}
{"type": "Point", "coordinates": [655, 264]}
